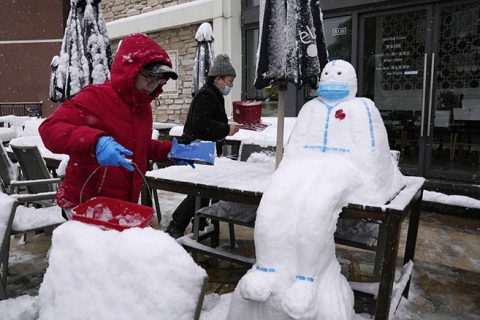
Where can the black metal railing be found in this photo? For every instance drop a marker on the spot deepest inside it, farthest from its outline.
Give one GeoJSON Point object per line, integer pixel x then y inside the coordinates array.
{"type": "Point", "coordinates": [30, 109]}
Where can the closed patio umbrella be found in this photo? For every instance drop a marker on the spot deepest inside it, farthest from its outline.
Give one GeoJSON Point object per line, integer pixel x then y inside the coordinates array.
{"type": "Point", "coordinates": [291, 48]}
{"type": "Point", "coordinates": [204, 56]}
{"type": "Point", "coordinates": [85, 57]}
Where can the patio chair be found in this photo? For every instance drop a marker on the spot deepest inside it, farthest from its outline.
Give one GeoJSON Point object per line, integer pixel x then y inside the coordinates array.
{"type": "Point", "coordinates": [7, 211]}
{"type": "Point", "coordinates": [37, 177]}
{"type": "Point", "coordinates": [8, 170]}
{"type": "Point", "coordinates": [16, 218]}
{"type": "Point", "coordinates": [30, 218]}
{"type": "Point", "coordinates": [41, 192]}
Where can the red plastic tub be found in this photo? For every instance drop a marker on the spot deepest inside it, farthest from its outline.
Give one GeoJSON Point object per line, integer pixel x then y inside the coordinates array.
{"type": "Point", "coordinates": [247, 111]}
{"type": "Point", "coordinates": [109, 213]}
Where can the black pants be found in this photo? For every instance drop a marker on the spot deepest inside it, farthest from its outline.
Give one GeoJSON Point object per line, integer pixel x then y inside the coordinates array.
{"type": "Point", "coordinates": [186, 210]}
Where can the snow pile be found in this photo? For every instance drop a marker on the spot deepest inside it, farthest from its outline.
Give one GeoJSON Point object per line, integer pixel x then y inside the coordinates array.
{"type": "Point", "coordinates": [134, 274]}
{"type": "Point", "coordinates": [30, 127]}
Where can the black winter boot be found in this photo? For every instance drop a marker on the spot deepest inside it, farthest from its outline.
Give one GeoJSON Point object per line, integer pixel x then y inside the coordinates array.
{"type": "Point", "coordinates": [174, 230]}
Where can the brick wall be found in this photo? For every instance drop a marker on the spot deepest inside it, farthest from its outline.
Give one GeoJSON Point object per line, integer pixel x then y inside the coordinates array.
{"type": "Point", "coordinates": [118, 9]}
{"type": "Point", "coordinates": [174, 108]}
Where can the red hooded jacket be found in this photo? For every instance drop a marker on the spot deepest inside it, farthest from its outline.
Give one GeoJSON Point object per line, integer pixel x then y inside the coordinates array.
{"type": "Point", "coordinates": [117, 109]}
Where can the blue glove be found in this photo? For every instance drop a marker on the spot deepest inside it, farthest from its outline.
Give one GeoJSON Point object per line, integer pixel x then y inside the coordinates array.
{"type": "Point", "coordinates": [179, 162]}
{"type": "Point", "coordinates": [110, 153]}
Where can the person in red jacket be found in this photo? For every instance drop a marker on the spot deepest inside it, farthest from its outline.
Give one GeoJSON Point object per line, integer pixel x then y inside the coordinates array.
{"type": "Point", "coordinates": [105, 124]}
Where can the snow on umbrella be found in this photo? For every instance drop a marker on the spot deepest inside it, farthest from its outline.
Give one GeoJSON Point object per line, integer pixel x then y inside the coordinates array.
{"type": "Point", "coordinates": [291, 48]}
{"type": "Point", "coordinates": [85, 57]}
{"type": "Point", "coordinates": [204, 56]}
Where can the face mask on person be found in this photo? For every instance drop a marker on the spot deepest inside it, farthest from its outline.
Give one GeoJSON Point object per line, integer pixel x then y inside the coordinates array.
{"type": "Point", "coordinates": [333, 91]}
{"type": "Point", "coordinates": [227, 89]}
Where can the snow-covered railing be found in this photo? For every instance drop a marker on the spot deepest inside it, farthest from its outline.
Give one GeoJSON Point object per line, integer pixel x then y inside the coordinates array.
{"type": "Point", "coordinates": [30, 109]}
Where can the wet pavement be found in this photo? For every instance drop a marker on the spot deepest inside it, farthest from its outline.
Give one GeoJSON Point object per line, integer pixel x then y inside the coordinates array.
{"type": "Point", "coordinates": [446, 275]}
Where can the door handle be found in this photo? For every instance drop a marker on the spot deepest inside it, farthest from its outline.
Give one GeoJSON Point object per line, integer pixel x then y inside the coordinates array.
{"type": "Point", "coordinates": [424, 94]}
{"type": "Point", "coordinates": [430, 95]}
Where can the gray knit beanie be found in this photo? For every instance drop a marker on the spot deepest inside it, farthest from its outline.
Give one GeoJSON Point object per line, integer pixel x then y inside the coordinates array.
{"type": "Point", "coordinates": [222, 67]}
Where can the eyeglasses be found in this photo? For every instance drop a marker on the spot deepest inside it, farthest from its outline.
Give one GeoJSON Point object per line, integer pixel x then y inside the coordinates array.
{"type": "Point", "coordinates": [159, 80]}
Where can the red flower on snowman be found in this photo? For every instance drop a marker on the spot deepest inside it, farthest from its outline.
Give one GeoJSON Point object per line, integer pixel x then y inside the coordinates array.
{"type": "Point", "coordinates": [339, 114]}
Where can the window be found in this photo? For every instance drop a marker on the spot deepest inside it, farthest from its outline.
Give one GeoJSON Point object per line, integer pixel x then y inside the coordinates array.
{"type": "Point", "coordinates": [338, 37]}
{"type": "Point", "coordinates": [251, 3]}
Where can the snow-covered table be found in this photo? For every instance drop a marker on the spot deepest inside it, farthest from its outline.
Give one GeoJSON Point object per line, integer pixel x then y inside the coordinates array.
{"type": "Point", "coordinates": [244, 182]}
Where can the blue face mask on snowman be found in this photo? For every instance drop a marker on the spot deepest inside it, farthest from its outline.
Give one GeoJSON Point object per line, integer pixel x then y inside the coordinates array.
{"type": "Point", "coordinates": [333, 91]}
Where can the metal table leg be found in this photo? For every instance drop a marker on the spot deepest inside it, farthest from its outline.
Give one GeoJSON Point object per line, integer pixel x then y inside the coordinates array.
{"type": "Point", "coordinates": [389, 263]}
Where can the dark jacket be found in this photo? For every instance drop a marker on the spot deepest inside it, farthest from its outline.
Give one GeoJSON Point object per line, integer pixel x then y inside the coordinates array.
{"type": "Point", "coordinates": [207, 119]}
{"type": "Point", "coordinates": [115, 108]}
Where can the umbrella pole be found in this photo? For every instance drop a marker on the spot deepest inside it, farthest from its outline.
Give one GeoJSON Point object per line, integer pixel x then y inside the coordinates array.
{"type": "Point", "coordinates": [282, 89]}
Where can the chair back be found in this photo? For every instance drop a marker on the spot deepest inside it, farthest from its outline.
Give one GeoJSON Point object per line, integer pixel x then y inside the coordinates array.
{"type": "Point", "coordinates": [33, 167]}
{"type": "Point", "coordinates": [247, 149]}
{"type": "Point", "coordinates": [6, 218]}
{"type": "Point", "coordinates": [7, 168]}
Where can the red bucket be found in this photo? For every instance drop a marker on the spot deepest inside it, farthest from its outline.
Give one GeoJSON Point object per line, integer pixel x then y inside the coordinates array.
{"type": "Point", "coordinates": [109, 213]}
{"type": "Point", "coordinates": [247, 111]}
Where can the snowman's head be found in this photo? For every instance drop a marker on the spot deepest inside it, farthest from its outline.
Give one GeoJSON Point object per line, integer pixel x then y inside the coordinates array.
{"type": "Point", "coordinates": [338, 81]}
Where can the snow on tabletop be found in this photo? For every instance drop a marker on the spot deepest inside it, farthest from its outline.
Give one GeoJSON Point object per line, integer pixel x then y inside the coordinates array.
{"type": "Point", "coordinates": [163, 125]}
{"type": "Point", "coordinates": [30, 127]}
{"type": "Point", "coordinates": [134, 274]}
{"type": "Point", "coordinates": [15, 121]}
{"type": "Point", "coordinates": [7, 134]}
{"type": "Point", "coordinates": [226, 173]}
{"type": "Point", "coordinates": [406, 195]}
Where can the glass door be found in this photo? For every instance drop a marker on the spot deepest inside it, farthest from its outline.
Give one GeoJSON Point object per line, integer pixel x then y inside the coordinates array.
{"type": "Point", "coordinates": [393, 72]}
{"type": "Point", "coordinates": [454, 131]}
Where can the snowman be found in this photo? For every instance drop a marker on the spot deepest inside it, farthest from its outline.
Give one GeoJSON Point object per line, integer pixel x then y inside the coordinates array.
{"type": "Point", "coordinates": [337, 154]}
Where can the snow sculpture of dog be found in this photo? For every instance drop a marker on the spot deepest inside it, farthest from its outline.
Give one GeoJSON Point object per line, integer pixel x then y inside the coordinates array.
{"type": "Point", "coordinates": [337, 154]}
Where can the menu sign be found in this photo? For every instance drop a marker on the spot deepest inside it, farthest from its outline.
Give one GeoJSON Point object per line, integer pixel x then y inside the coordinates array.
{"type": "Point", "coordinates": [396, 59]}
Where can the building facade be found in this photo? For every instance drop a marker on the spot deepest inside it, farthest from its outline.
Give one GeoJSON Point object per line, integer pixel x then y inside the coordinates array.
{"type": "Point", "coordinates": [31, 34]}
{"type": "Point", "coordinates": [419, 61]}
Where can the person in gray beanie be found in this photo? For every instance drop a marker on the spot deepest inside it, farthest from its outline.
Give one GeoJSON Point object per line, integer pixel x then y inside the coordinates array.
{"type": "Point", "coordinates": [206, 120]}
{"type": "Point", "coordinates": [222, 67]}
